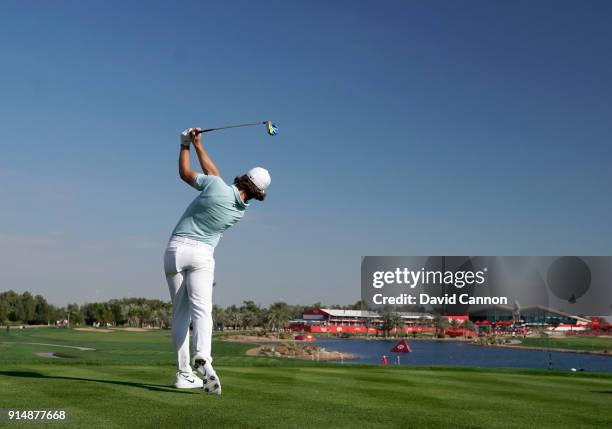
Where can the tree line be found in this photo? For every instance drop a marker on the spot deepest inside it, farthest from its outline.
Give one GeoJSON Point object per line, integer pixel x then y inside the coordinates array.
{"type": "Point", "coordinates": [31, 309]}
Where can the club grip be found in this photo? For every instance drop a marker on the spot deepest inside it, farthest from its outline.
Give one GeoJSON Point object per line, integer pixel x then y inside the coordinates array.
{"type": "Point", "coordinates": [205, 130]}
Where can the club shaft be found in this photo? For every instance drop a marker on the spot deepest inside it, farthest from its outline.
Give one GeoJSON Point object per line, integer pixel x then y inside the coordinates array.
{"type": "Point", "coordinates": [232, 126]}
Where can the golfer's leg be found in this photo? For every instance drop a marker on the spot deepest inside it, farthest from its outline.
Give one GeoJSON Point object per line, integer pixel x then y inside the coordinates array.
{"type": "Point", "coordinates": [181, 314]}
{"type": "Point", "coordinates": [181, 310]}
{"type": "Point", "coordinates": [199, 288]}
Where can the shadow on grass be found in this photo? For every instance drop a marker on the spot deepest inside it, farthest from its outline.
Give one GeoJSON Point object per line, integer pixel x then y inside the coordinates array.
{"type": "Point", "coordinates": [152, 387]}
{"type": "Point", "coordinates": [609, 392]}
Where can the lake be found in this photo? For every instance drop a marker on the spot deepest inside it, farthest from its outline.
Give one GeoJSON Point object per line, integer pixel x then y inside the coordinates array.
{"type": "Point", "coordinates": [426, 352]}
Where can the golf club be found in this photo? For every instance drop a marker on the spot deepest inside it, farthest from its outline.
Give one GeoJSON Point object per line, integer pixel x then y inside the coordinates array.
{"type": "Point", "coordinates": [271, 128]}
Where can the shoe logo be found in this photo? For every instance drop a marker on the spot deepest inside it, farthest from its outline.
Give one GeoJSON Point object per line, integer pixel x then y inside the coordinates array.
{"type": "Point", "coordinates": [191, 380]}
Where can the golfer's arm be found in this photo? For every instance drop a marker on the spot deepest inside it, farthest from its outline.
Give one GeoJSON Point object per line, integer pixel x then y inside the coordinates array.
{"type": "Point", "coordinates": [206, 163]}
{"type": "Point", "coordinates": [185, 171]}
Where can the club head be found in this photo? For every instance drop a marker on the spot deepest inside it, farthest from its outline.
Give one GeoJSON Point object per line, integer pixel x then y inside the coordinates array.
{"type": "Point", "coordinates": [271, 128]}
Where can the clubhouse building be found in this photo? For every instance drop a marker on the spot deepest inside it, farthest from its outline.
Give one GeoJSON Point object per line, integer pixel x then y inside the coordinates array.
{"type": "Point", "coordinates": [535, 316]}
{"type": "Point", "coordinates": [337, 321]}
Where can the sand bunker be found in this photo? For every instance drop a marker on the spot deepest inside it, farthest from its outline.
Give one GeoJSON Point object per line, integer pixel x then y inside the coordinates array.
{"type": "Point", "coordinates": [48, 355]}
{"type": "Point", "coordinates": [136, 329]}
{"type": "Point", "coordinates": [59, 345]}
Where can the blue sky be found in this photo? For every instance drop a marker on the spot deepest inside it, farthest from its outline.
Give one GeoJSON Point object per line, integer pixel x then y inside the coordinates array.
{"type": "Point", "coordinates": [406, 128]}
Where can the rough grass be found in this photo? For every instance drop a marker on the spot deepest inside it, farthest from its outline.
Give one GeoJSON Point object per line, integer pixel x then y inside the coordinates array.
{"type": "Point", "coordinates": [126, 382]}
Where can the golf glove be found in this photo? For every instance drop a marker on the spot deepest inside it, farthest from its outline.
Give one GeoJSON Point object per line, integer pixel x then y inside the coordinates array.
{"type": "Point", "coordinates": [186, 137]}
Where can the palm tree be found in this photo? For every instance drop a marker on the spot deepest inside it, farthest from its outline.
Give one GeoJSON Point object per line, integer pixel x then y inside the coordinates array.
{"type": "Point", "coordinates": [367, 323]}
{"type": "Point", "coordinates": [219, 316]}
{"type": "Point", "coordinates": [74, 315]}
{"type": "Point", "coordinates": [162, 315]}
{"type": "Point", "coordinates": [278, 315]}
{"type": "Point", "coordinates": [390, 320]}
{"type": "Point", "coordinates": [234, 317]}
{"type": "Point", "coordinates": [133, 315]}
{"type": "Point", "coordinates": [145, 314]}
{"type": "Point", "coordinates": [442, 324]}
{"type": "Point", "coordinates": [249, 319]}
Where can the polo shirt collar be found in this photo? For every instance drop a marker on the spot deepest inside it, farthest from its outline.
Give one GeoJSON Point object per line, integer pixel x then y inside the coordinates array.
{"type": "Point", "coordinates": [239, 201]}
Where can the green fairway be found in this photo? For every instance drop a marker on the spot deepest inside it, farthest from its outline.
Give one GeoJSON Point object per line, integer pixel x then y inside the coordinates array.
{"type": "Point", "coordinates": [574, 342]}
{"type": "Point", "coordinates": [126, 382]}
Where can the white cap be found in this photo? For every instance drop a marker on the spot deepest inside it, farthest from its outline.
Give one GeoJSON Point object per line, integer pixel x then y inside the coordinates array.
{"type": "Point", "coordinates": [260, 177]}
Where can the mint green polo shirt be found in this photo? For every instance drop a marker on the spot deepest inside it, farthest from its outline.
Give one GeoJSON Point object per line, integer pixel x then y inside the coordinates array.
{"type": "Point", "coordinates": [218, 207]}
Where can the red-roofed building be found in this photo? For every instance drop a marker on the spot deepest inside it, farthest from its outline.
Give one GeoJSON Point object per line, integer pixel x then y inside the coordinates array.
{"type": "Point", "coordinates": [332, 320]}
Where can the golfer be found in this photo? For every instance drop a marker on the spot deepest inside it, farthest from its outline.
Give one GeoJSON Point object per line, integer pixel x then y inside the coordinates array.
{"type": "Point", "coordinates": [188, 261]}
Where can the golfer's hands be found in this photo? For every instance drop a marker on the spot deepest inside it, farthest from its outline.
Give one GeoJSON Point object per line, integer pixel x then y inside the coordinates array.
{"type": "Point", "coordinates": [196, 136]}
{"type": "Point", "coordinates": [191, 136]}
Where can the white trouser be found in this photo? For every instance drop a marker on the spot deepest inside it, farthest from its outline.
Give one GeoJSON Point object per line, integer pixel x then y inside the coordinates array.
{"type": "Point", "coordinates": [190, 268]}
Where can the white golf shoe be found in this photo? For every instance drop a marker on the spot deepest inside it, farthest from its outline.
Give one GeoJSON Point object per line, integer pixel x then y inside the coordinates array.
{"type": "Point", "coordinates": [212, 384]}
{"type": "Point", "coordinates": [185, 380]}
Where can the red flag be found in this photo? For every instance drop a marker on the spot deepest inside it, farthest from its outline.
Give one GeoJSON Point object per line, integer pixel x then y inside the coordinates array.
{"type": "Point", "coordinates": [401, 347]}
